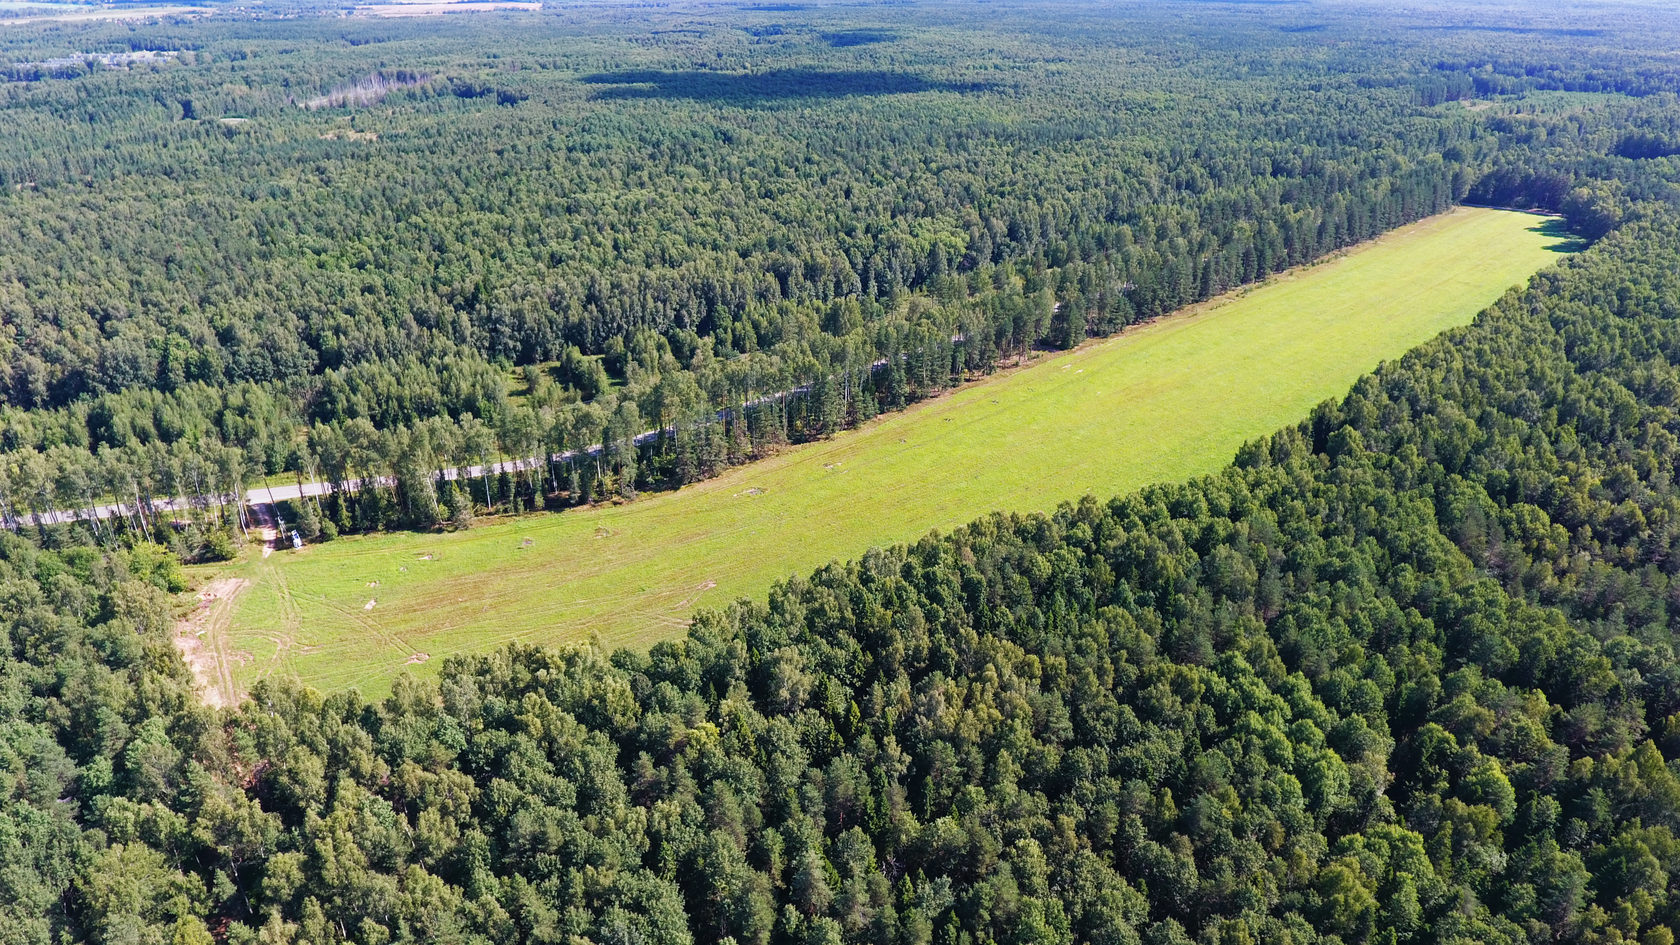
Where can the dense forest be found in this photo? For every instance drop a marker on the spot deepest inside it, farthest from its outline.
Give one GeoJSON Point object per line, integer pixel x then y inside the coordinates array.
{"type": "Point", "coordinates": [1403, 673]}
{"type": "Point", "coordinates": [350, 249]}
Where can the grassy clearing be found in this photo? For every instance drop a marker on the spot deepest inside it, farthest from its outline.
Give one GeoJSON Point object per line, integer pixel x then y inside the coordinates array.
{"type": "Point", "coordinates": [1167, 401]}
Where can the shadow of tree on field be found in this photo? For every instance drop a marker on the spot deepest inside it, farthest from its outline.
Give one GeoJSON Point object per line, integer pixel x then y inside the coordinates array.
{"type": "Point", "coordinates": [846, 38]}
{"type": "Point", "coordinates": [779, 84]}
{"type": "Point", "coordinates": [1555, 228]}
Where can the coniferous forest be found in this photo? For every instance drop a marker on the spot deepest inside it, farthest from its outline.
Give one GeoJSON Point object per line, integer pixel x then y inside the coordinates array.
{"type": "Point", "coordinates": [1403, 673]}
{"type": "Point", "coordinates": [366, 250]}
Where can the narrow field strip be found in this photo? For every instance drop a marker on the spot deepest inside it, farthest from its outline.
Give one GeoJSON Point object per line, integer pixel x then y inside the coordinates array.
{"type": "Point", "coordinates": [1165, 401]}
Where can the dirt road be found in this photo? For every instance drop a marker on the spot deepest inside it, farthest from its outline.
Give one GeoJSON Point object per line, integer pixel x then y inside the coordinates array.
{"type": "Point", "coordinates": [202, 639]}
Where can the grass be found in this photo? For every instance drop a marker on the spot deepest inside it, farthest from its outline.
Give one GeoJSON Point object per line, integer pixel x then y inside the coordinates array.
{"type": "Point", "coordinates": [1166, 401]}
{"type": "Point", "coordinates": [1539, 102]}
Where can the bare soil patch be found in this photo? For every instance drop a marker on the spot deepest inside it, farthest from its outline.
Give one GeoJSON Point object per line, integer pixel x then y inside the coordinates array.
{"type": "Point", "coordinates": [350, 134]}
{"type": "Point", "coordinates": [201, 638]}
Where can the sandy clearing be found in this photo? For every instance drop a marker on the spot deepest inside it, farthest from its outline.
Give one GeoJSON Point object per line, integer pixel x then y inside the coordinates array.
{"type": "Point", "coordinates": [201, 638]}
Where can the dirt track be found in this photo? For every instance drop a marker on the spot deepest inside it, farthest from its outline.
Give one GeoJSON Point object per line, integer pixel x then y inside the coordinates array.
{"type": "Point", "coordinates": [202, 639]}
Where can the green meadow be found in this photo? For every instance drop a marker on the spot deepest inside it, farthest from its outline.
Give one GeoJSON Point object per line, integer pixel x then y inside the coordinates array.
{"type": "Point", "coordinates": [1165, 401]}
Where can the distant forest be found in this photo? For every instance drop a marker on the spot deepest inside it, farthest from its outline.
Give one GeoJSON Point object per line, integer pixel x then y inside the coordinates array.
{"type": "Point", "coordinates": [346, 249]}
{"type": "Point", "coordinates": [1403, 673]}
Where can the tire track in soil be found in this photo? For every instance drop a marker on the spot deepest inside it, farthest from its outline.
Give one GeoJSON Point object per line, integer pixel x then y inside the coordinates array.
{"type": "Point", "coordinates": [291, 622]}
{"type": "Point", "coordinates": [368, 624]}
{"type": "Point", "coordinates": [201, 639]}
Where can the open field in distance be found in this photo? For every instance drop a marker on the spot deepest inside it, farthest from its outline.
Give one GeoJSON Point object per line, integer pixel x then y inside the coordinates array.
{"type": "Point", "coordinates": [1166, 401]}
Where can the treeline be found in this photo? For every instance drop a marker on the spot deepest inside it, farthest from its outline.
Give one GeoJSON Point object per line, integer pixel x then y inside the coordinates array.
{"type": "Point", "coordinates": [665, 415]}
{"type": "Point", "coordinates": [1404, 673]}
{"type": "Point", "coordinates": [646, 246]}
{"type": "Point", "coordinates": [175, 285]}
{"type": "Point", "coordinates": [587, 223]}
{"type": "Point", "coordinates": [653, 412]}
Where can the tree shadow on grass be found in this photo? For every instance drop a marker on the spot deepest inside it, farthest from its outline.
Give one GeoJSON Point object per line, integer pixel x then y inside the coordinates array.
{"type": "Point", "coordinates": [1566, 242]}
{"type": "Point", "coordinates": [763, 87]}
{"type": "Point", "coordinates": [847, 38]}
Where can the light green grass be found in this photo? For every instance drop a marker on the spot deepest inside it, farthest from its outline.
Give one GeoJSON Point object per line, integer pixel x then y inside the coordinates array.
{"type": "Point", "coordinates": [1166, 401]}
{"type": "Point", "coordinates": [1539, 103]}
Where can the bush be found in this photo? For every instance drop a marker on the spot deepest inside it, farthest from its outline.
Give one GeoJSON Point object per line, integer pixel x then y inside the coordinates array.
{"type": "Point", "coordinates": [218, 546]}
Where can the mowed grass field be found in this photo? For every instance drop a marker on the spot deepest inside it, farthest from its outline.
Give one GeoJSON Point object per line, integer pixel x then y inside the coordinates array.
{"type": "Point", "coordinates": [1165, 401]}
